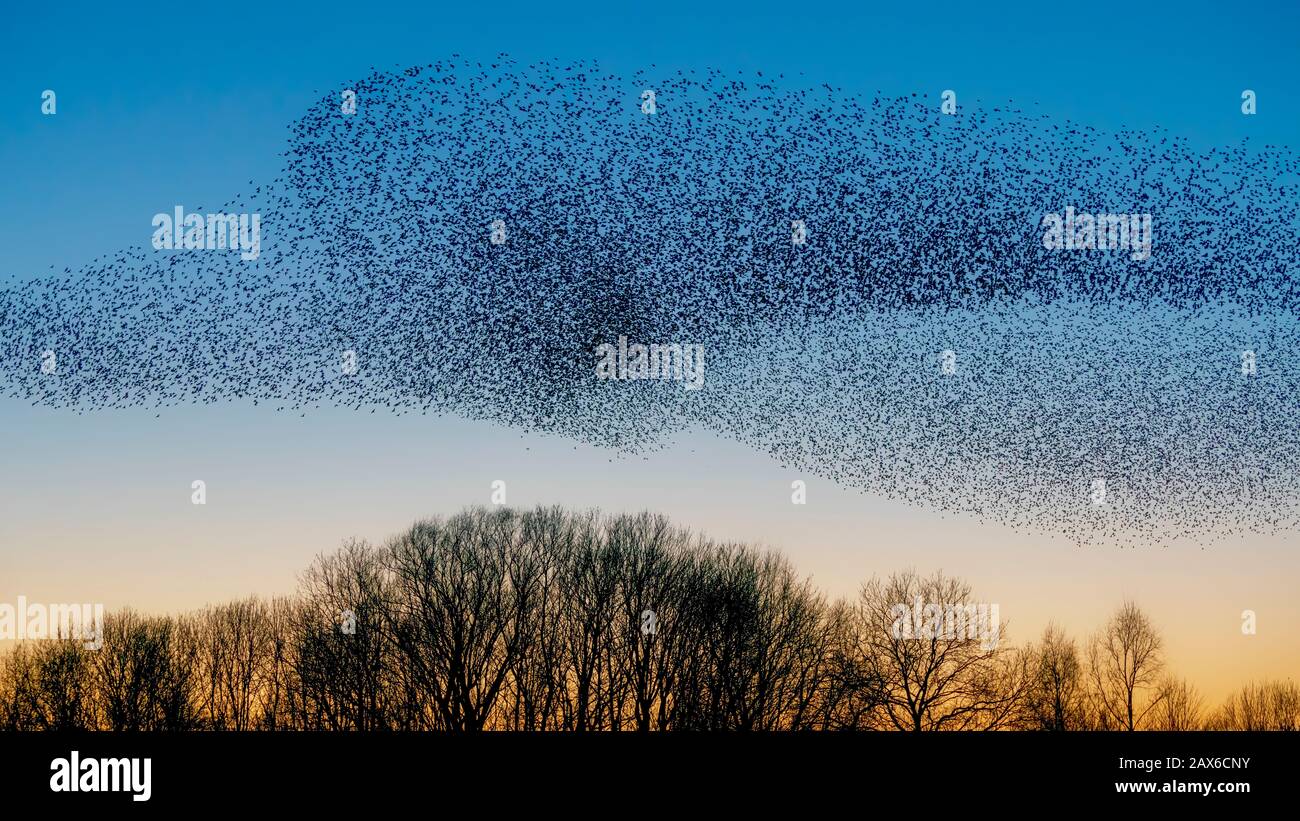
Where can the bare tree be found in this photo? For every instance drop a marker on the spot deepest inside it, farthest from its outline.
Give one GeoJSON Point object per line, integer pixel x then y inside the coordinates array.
{"type": "Point", "coordinates": [589, 584]}
{"type": "Point", "coordinates": [939, 676]}
{"type": "Point", "coordinates": [236, 663]}
{"type": "Point", "coordinates": [1270, 705]}
{"type": "Point", "coordinates": [789, 656]}
{"type": "Point", "coordinates": [1056, 698]}
{"type": "Point", "coordinates": [455, 613]}
{"type": "Point", "coordinates": [1178, 707]}
{"type": "Point", "coordinates": [1125, 662]}
{"type": "Point", "coordinates": [649, 609]}
{"type": "Point", "coordinates": [144, 674]}
{"type": "Point", "coordinates": [534, 688]}
{"type": "Point", "coordinates": [46, 685]}
{"type": "Point", "coordinates": [280, 682]}
{"type": "Point", "coordinates": [853, 692]}
{"type": "Point", "coordinates": [548, 619]}
{"type": "Point", "coordinates": [342, 647]}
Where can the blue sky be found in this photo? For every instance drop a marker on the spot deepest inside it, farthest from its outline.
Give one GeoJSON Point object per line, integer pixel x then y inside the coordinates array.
{"type": "Point", "coordinates": [164, 107]}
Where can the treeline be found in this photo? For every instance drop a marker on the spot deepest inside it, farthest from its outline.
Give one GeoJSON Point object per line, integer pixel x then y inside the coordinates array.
{"type": "Point", "coordinates": [554, 620]}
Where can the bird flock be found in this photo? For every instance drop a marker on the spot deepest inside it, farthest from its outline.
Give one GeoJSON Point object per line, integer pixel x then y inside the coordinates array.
{"type": "Point", "coordinates": [866, 275]}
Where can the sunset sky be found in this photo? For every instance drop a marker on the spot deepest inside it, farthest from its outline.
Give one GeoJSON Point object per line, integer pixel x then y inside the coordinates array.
{"type": "Point", "coordinates": [96, 507]}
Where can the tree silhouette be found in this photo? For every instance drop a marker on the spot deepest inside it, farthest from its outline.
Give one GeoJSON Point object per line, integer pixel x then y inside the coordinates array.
{"type": "Point", "coordinates": [1125, 663]}
{"type": "Point", "coordinates": [548, 619]}
{"type": "Point", "coordinates": [1056, 698]}
{"type": "Point", "coordinates": [944, 680]}
{"type": "Point", "coordinates": [1178, 706]}
{"type": "Point", "coordinates": [1270, 705]}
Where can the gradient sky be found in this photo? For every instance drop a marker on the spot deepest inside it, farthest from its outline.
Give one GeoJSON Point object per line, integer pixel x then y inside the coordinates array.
{"type": "Point", "coordinates": [168, 108]}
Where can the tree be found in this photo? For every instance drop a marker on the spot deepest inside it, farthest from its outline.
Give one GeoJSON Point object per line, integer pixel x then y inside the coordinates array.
{"type": "Point", "coordinates": [650, 608]}
{"type": "Point", "coordinates": [236, 663]}
{"type": "Point", "coordinates": [1125, 662]}
{"type": "Point", "coordinates": [457, 613]}
{"type": "Point", "coordinates": [548, 619]}
{"type": "Point", "coordinates": [342, 645]}
{"type": "Point", "coordinates": [1270, 705]}
{"type": "Point", "coordinates": [940, 674]}
{"type": "Point", "coordinates": [1178, 706]}
{"type": "Point", "coordinates": [144, 674]}
{"type": "Point", "coordinates": [47, 685]}
{"type": "Point", "coordinates": [1056, 698]}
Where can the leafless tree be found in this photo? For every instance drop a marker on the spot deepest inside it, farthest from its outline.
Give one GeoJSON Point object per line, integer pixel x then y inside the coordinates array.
{"type": "Point", "coordinates": [1178, 707]}
{"type": "Point", "coordinates": [940, 677]}
{"type": "Point", "coordinates": [853, 692]}
{"type": "Point", "coordinates": [1056, 698]}
{"type": "Point", "coordinates": [534, 688]}
{"type": "Point", "coordinates": [649, 610]}
{"type": "Point", "coordinates": [548, 619]}
{"type": "Point", "coordinates": [455, 613]}
{"type": "Point", "coordinates": [341, 645]}
{"type": "Point", "coordinates": [1269, 705]}
{"type": "Point", "coordinates": [46, 685]}
{"type": "Point", "coordinates": [144, 674]}
{"type": "Point", "coordinates": [589, 585]}
{"type": "Point", "coordinates": [1125, 662]}
{"type": "Point", "coordinates": [236, 658]}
